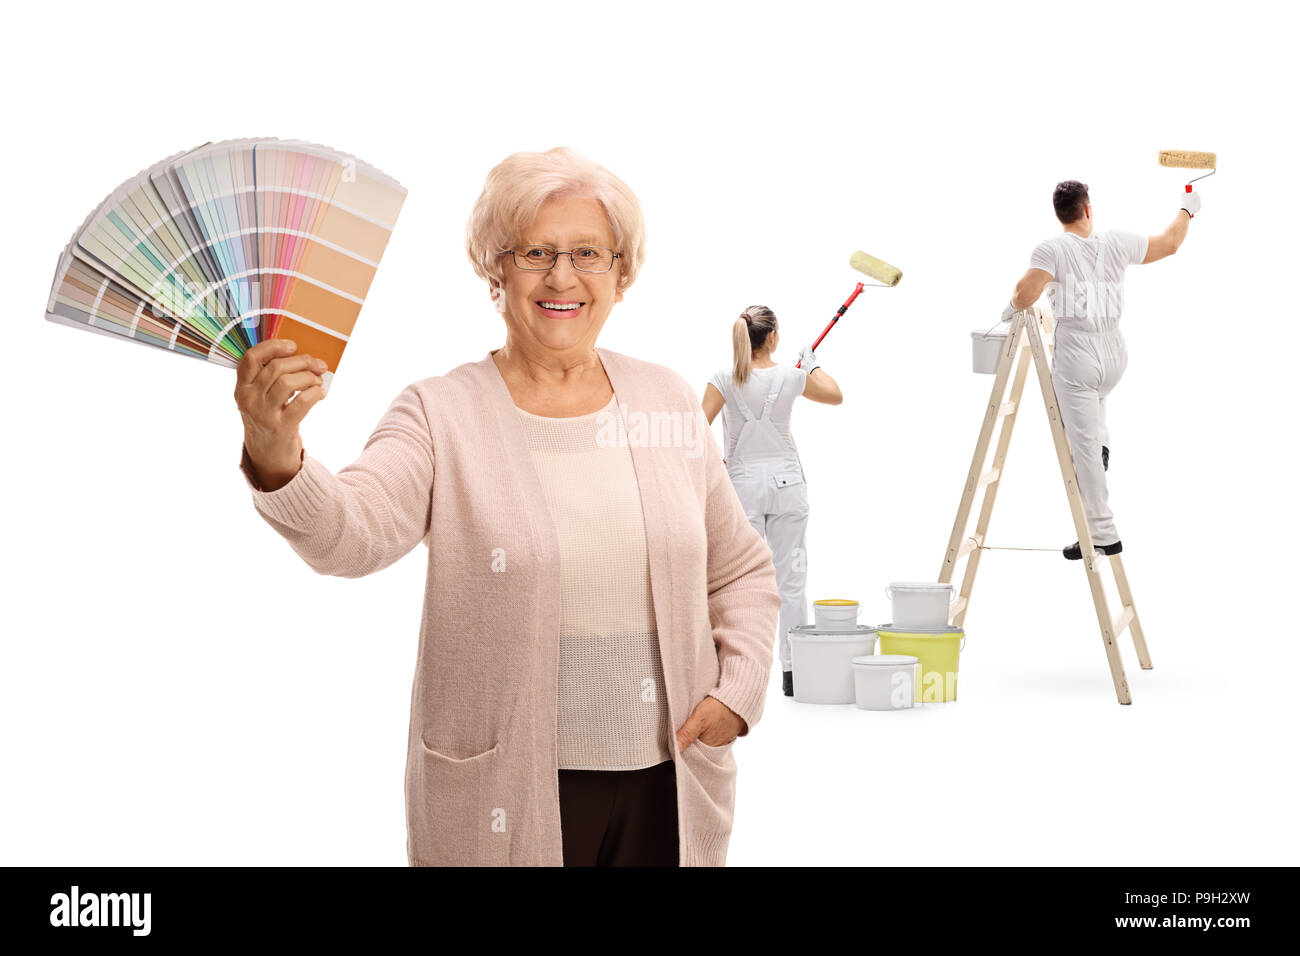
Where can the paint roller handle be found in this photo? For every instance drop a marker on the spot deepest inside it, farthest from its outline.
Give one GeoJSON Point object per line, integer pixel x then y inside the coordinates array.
{"type": "Point", "coordinates": [844, 308]}
{"type": "Point", "coordinates": [849, 301]}
{"type": "Point", "coordinates": [799, 364]}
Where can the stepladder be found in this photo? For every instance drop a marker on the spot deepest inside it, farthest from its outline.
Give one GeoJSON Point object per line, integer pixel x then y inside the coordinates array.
{"type": "Point", "coordinates": [1028, 342]}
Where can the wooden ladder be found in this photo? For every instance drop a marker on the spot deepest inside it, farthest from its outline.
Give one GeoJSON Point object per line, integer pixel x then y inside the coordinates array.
{"type": "Point", "coordinates": [1027, 339]}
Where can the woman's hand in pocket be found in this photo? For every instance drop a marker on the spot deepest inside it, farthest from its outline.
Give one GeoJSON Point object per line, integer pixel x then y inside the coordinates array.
{"type": "Point", "coordinates": [712, 722]}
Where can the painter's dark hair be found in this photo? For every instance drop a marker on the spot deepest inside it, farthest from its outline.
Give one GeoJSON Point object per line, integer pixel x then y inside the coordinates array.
{"type": "Point", "coordinates": [1069, 199]}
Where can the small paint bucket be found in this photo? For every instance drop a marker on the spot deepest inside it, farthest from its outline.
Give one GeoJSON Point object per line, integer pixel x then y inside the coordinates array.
{"type": "Point", "coordinates": [938, 649]}
{"type": "Point", "coordinates": [822, 662]}
{"type": "Point", "coordinates": [885, 681]}
{"type": "Point", "coordinates": [986, 349]}
{"type": "Point", "coordinates": [920, 604]}
{"type": "Point", "coordinates": [836, 613]}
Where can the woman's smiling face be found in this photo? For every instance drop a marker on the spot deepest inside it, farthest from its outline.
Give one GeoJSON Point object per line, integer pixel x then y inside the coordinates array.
{"type": "Point", "coordinates": [562, 309]}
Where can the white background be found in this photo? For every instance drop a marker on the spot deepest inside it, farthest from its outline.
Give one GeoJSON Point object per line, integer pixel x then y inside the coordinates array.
{"type": "Point", "coordinates": [177, 687]}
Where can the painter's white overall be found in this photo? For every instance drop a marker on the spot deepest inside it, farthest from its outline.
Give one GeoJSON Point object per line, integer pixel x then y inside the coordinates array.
{"type": "Point", "coordinates": [768, 477]}
{"type": "Point", "coordinates": [1087, 298]}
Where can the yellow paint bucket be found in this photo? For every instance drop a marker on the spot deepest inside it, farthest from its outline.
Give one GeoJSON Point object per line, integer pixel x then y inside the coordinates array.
{"type": "Point", "coordinates": [937, 648]}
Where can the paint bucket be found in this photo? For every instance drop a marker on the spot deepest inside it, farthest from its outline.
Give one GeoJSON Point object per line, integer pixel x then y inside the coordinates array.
{"type": "Point", "coordinates": [986, 349]}
{"type": "Point", "coordinates": [836, 614]}
{"type": "Point", "coordinates": [920, 604]}
{"type": "Point", "coordinates": [885, 681]}
{"type": "Point", "coordinates": [937, 648]}
{"type": "Point", "coordinates": [822, 662]}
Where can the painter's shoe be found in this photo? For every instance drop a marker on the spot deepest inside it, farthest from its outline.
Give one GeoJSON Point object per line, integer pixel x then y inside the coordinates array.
{"type": "Point", "coordinates": [1105, 458]}
{"type": "Point", "coordinates": [787, 683]}
{"type": "Point", "coordinates": [1075, 553]}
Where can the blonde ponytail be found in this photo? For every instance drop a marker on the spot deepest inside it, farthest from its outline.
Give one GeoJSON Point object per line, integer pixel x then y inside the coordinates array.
{"type": "Point", "coordinates": [744, 354]}
{"type": "Point", "coordinates": [748, 334]}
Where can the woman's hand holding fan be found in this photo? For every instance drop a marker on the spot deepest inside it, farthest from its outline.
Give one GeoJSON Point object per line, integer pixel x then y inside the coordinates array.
{"type": "Point", "coordinates": [268, 375]}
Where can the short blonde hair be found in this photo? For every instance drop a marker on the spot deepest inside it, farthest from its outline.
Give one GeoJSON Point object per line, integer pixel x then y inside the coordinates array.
{"type": "Point", "coordinates": [518, 187]}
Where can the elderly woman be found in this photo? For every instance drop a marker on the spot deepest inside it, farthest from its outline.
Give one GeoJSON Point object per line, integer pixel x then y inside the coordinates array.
{"type": "Point", "coordinates": [598, 610]}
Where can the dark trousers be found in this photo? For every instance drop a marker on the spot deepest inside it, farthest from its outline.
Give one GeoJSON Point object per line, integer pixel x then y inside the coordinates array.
{"type": "Point", "coordinates": [619, 817]}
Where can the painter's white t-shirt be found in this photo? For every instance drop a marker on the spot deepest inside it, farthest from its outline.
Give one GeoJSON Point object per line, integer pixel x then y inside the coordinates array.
{"type": "Point", "coordinates": [1072, 262]}
{"type": "Point", "coordinates": [754, 392]}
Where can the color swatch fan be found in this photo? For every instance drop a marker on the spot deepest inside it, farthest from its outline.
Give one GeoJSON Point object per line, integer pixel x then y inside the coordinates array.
{"type": "Point", "coordinates": [211, 251]}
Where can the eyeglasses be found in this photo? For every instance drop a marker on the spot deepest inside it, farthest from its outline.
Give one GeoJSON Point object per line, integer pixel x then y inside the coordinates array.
{"type": "Point", "coordinates": [592, 259]}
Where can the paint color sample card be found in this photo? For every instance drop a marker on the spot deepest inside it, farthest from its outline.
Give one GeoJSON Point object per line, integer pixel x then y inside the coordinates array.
{"type": "Point", "coordinates": [213, 250]}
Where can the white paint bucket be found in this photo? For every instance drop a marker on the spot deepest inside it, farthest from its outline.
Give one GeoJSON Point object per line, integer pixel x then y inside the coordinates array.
{"type": "Point", "coordinates": [822, 662]}
{"type": "Point", "coordinates": [834, 614]}
{"type": "Point", "coordinates": [986, 349]}
{"type": "Point", "coordinates": [920, 604]}
{"type": "Point", "coordinates": [885, 681]}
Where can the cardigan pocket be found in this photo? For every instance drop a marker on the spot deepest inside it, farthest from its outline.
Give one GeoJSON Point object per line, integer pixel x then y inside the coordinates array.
{"type": "Point", "coordinates": [712, 773]}
{"type": "Point", "coordinates": [718, 754]}
{"type": "Point", "coordinates": [715, 769]}
{"type": "Point", "coordinates": [465, 816]}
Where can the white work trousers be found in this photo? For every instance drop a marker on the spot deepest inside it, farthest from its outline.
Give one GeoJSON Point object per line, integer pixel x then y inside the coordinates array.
{"type": "Point", "coordinates": [776, 503]}
{"type": "Point", "coordinates": [1086, 365]}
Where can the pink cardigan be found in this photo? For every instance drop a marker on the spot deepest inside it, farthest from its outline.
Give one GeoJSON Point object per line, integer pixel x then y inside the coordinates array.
{"type": "Point", "coordinates": [448, 464]}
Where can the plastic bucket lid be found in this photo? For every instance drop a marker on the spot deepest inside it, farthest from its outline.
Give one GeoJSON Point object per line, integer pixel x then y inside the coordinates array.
{"type": "Point", "coordinates": [832, 637]}
{"type": "Point", "coordinates": [836, 602]}
{"type": "Point", "coordinates": [989, 334]}
{"type": "Point", "coordinates": [885, 660]}
{"type": "Point", "coordinates": [922, 630]}
{"type": "Point", "coordinates": [812, 630]}
{"type": "Point", "coordinates": [922, 586]}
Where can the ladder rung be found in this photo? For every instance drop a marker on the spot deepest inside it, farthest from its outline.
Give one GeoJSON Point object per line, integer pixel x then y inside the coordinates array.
{"type": "Point", "coordinates": [988, 478]}
{"type": "Point", "coordinates": [970, 544]}
{"type": "Point", "coordinates": [1122, 622]}
{"type": "Point", "coordinates": [1005, 409]}
{"type": "Point", "coordinates": [956, 607]}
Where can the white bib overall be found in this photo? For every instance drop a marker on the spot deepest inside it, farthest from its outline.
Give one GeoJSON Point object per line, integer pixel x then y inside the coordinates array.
{"type": "Point", "coordinates": [768, 478]}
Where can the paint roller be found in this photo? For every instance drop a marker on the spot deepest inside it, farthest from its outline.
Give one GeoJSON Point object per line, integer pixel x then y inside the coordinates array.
{"type": "Point", "coordinates": [1187, 159]}
{"type": "Point", "coordinates": [886, 277]}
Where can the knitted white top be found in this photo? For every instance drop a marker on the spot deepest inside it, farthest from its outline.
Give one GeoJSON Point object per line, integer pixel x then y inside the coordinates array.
{"type": "Point", "coordinates": [613, 713]}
